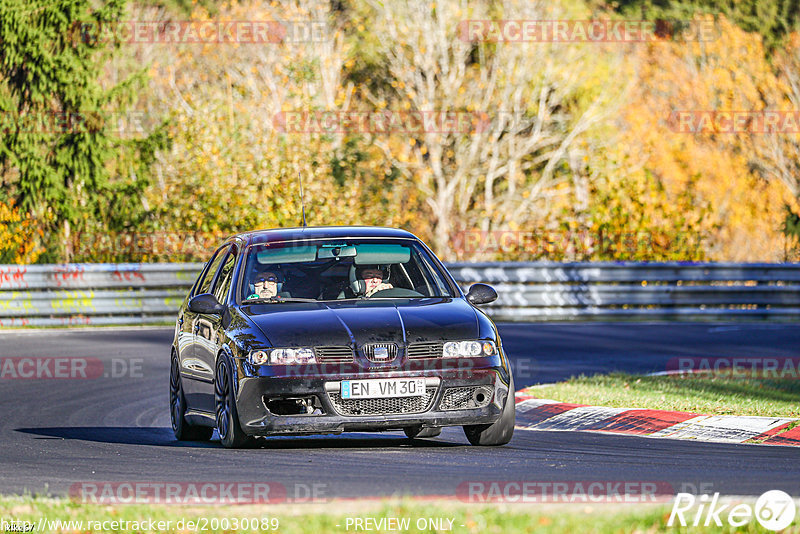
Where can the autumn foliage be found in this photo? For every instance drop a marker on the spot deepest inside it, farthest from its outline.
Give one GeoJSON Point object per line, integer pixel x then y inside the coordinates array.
{"type": "Point", "coordinates": [576, 139]}
{"type": "Point", "coordinates": [19, 236]}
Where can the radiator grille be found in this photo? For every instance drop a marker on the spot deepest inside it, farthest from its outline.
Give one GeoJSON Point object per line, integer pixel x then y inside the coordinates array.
{"type": "Point", "coordinates": [431, 349]}
{"type": "Point", "coordinates": [380, 352]}
{"type": "Point", "coordinates": [334, 354]}
{"type": "Point", "coordinates": [391, 406]}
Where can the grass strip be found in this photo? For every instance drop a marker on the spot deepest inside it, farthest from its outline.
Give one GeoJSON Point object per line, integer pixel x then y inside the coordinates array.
{"type": "Point", "coordinates": [698, 393]}
{"type": "Point", "coordinates": [456, 517]}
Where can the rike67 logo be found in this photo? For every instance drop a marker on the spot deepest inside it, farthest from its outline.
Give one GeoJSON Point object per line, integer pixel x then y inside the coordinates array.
{"type": "Point", "coordinates": [774, 510]}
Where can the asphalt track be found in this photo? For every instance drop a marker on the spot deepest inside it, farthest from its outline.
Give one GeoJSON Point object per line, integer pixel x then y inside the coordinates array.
{"type": "Point", "coordinates": [56, 433]}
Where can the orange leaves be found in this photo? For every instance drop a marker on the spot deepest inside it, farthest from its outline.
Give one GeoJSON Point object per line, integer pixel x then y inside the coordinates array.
{"type": "Point", "coordinates": [586, 143]}
{"type": "Point", "coordinates": [20, 236]}
{"type": "Point", "coordinates": [729, 73]}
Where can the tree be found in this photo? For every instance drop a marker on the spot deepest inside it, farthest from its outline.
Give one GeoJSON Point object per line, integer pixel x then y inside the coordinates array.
{"type": "Point", "coordinates": [735, 208]}
{"type": "Point", "coordinates": [772, 19]}
{"type": "Point", "coordinates": [59, 148]}
{"type": "Point", "coordinates": [17, 236]}
{"type": "Point", "coordinates": [231, 168]}
{"type": "Point", "coordinates": [780, 151]}
{"type": "Point", "coordinates": [537, 99]}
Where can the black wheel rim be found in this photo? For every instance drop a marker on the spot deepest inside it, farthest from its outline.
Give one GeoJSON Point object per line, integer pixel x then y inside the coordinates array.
{"type": "Point", "coordinates": [222, 400]}
{"type": "Point", "coordinates": [175, 396]}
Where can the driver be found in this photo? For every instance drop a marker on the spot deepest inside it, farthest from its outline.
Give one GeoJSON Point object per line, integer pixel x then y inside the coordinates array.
{"type": "Point", "coordinates": [373, 280]}
{"type": "Point", "coordinates": [266, 285]}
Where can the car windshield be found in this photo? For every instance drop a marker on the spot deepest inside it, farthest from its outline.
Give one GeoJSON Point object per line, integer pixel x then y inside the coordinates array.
{"type": "Point", "coordinates": [341, 269]}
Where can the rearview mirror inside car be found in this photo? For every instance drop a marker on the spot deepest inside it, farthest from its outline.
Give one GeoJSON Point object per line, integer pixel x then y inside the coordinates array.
{"type": "Point", "coordinates": [336, 251]}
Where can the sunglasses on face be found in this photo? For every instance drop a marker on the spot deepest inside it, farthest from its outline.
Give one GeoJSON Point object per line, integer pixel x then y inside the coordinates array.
{"type": "Point", "coordinates": [373, 274]}
{"type": "Point", "coordinates": [270, 278]}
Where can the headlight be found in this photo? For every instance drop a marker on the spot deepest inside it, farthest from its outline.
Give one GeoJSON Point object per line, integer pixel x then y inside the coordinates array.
{"type": "Point", "coordinates": [282, 356]}
{"type": "Point", "coordinates": [467, 349]}
{"type": "Point", "coordinates": [258, 357]}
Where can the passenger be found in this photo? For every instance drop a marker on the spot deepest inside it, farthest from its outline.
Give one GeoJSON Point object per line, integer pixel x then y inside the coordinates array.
{"type": "Point", "coordinates": [374, 280]}
{"type": "Point", "coordinates": [267, 285]}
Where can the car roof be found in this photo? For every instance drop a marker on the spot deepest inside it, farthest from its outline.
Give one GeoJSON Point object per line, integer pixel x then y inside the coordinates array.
{"type": "Point", "coordinates": [322, 232]}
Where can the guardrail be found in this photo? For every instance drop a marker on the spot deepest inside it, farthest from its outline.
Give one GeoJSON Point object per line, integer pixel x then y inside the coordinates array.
{"type": "Point", "coordinates": [86, 294]}
{"type": "Point", "coordinates": [93, 293]}
{"type": "Point", "coordinates": [541, 290]}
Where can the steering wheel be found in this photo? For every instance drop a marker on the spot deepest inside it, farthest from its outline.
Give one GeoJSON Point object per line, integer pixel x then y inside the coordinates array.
{"type": "Point", "coordinates": [397, 292]}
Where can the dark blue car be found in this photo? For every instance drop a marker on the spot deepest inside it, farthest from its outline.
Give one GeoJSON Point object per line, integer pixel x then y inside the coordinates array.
{"type": "Point", "coordinates": [323, 330]}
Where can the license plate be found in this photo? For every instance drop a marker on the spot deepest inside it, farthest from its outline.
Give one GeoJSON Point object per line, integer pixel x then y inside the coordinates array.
{"type": "Point", "coordinates": [383, 388]}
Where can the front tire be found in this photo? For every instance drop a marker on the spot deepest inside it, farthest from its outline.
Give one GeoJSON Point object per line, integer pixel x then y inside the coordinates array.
{"type": "Point", "coordinates": [230, 431]}
{"type": "Point", "coordinates": [499, 432]}
{"type": "Point", "coordinates": [177, 409]}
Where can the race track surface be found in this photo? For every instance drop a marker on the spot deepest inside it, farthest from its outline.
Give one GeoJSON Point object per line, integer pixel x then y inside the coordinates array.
{"type": "Point", "coordinates": [58, 433]}
{"type": "Point", "coordinates": [549, 352]}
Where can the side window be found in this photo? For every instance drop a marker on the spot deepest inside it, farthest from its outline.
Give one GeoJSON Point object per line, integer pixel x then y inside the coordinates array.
{"type": "Point", "coordinates": [208, 277]}
{"type": "Point", "coordinates": [223, 283]}
{"type": "Point", "coordinates": [418, 282]}
{"type": "Point", "coordinates": [199, 279]}
{"type": "Point", "coordinates": [441, 285]}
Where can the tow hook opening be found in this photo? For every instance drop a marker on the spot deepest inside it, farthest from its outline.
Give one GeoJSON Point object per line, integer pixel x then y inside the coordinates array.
{"type": "Point", "coordinates": [481, 396]}
{"type": "Point", "coordinates": [308, 405]}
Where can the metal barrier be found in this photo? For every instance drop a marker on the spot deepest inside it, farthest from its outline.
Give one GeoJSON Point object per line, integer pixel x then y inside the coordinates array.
{"type": "Point", "coordinates": [86, 294]}
{"type": "Point", "coordinates": [93, 294]}
{"type": "Point", "coordinates": [543, 290]}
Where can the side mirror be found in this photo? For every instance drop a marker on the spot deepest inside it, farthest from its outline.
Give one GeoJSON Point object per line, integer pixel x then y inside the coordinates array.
{"type": "Point", "coordinates": [205, 303]}
{"type": "Point", "coordinates": [481, 294]}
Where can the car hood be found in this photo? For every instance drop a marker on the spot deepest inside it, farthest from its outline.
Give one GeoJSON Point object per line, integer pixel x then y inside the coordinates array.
{"type": "Point", "coordinates": [365, 321]}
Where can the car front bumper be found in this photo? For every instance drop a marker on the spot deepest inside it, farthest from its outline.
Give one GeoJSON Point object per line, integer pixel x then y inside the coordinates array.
{"type": "Point", "coordinates": [256, 419]}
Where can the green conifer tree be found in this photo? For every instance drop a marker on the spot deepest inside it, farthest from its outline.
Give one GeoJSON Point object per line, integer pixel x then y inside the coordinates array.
{"type": "Point", "coordinates": [62, 156]}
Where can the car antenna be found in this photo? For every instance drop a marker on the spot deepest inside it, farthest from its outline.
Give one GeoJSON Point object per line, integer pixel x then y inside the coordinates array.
{"type": "Point", "coordinates": [302, 205]}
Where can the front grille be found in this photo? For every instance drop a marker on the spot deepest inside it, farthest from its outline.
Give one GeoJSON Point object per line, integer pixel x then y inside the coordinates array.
{"type": "Point", "coordinates": [391, 406]}
{"type": "Point", "coordinates": [334, 354]}
{"type": "Point", "coordinates": [380, 352]}
{"type": "Point", "coordinates": [463, 398]}
{"type": "Point", "coordinates": [432, 349]}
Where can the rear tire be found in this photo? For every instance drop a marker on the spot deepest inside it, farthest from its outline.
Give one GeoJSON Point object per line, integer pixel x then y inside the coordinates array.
{"type": "Point", "coordinates": [499, 432]}
{"type": "Point", "coordinates": [416, 432]}
{"type": "Point", "coordinates": [230, 431]}
{"type": "Point", "coordinates": [177, 403]}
